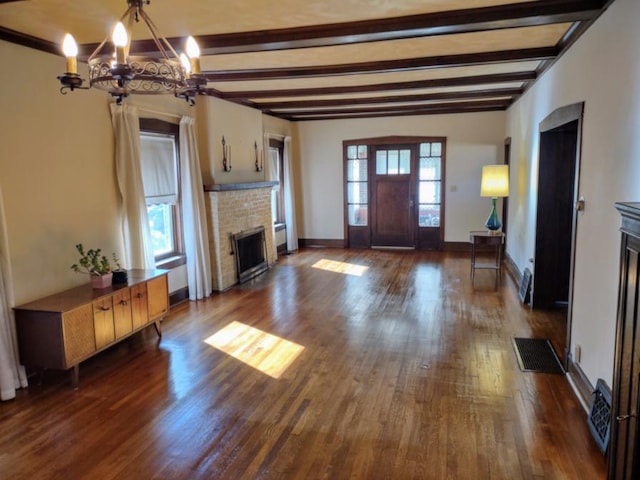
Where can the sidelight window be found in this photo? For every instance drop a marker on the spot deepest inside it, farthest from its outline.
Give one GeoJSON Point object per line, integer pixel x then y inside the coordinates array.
{"type": "Point", "coordinates": [429, 184]}
{"type": "Point", "coordinates": [357, 186]}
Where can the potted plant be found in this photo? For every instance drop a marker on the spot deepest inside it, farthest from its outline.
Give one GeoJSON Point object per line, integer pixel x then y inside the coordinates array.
{"type": "Point", "coordinates": [119, 273]}
{"type": "Point", "coordinates": [96, 265]}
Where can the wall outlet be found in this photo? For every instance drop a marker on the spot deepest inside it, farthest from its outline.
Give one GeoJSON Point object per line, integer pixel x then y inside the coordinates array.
{"type": "Point", "coordinates": [577, 353]}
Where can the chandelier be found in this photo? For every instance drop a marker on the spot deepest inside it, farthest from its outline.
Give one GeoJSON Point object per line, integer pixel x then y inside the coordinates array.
{"type": "Point", "coordinates": [121, 74]}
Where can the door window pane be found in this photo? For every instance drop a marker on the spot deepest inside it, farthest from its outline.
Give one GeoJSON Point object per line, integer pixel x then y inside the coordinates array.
{"type": "Point", "coordinates": [429, 215]}
{"type": "Point", "coordinates": [357, 192]}
{"type": "Point", "coordinates": [393, 162]}
{"type": "Point", "coordinates": [357, 170]}
{"type": "Point", "coordinates": [358, 215]}
{"type": "Point", "coordinates": [381, 162]}
{"type": "Point", "coordinates": [405, 162]}
{"type": "Point", "coordinates": [430, 169]}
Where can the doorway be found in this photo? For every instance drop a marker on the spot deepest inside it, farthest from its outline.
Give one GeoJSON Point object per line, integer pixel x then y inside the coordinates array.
{"type": "Point", "coordinates": [392, 199]}
{"type": "Point", "coordinates": [392, 192]}
{"type": "Point", "coordinates": [556, 219]}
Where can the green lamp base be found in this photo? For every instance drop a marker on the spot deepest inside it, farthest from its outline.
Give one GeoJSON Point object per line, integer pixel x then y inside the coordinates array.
{"type": "Point", "coordinates": [493, 223]}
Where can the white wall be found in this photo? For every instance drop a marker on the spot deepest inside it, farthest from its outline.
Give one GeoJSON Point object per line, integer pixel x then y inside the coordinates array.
{"type": "Point", "coordinates": [473, 140]}
{"type": "Point", "coordinates": [603, 70]}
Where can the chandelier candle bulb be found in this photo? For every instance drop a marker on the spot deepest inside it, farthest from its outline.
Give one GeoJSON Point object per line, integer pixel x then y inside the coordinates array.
{"type": "Point", "coordinates": [70, 50]}
{"type": "Point", "coordinates": [184, 60]}
{"type": "Point", "coordinates": [193, 51]}
{"type": "Point", "coordinates": [120, 42]}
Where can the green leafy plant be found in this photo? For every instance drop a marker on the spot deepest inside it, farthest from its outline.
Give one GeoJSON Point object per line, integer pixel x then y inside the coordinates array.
{"type": "Point", "coordinates": [116, 262]}
{"type": "Point", "coordinates": [91, 262]}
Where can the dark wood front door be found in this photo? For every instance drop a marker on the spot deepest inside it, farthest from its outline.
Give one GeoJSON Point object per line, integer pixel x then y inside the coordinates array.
{"type": "Point", "coordinates": [394, 212]}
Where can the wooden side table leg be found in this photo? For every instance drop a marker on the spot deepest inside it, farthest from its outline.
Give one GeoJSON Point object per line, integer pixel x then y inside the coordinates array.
{"type": "Point", "coordinates": [75, 376]}
{"type": "Point", "coordinates": [158, 328]}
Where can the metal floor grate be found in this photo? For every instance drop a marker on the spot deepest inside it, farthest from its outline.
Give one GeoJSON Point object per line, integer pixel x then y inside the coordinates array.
{"type": "Point", "coordinates": [600, 414]}
{"type": "Point", "coordinates": [537, 355]}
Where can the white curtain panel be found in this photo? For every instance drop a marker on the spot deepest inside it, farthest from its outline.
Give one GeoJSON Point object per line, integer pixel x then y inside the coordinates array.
{"type": "Point", "coordinates": [289, 199]}
{"type": "Point", "coordinates": [137, 237]}
{"type": "Point", "coordinates": [196, 237]}
{"type": "Point", "coordinates": [12, 374]}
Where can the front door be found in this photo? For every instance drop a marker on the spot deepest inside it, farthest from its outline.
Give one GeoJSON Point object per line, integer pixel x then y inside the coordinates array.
{"type": "Point", "coordinates": [393, 205]}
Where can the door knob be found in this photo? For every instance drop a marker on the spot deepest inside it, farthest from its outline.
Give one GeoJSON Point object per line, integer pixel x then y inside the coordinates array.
{"type": "Point", "coordinates": [620, 418]}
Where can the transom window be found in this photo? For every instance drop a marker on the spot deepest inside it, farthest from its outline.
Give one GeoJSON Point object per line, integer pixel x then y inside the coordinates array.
{"type": "Point", "coordinates": [393, 162]}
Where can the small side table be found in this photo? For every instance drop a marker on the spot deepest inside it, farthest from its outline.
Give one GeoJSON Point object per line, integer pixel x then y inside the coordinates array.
{"type": "Point", "coordinates": [484, 238]}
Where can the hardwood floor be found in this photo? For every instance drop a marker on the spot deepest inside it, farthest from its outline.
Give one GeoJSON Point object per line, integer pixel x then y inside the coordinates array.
{"type": "Point", "coordinates": [406, 372]}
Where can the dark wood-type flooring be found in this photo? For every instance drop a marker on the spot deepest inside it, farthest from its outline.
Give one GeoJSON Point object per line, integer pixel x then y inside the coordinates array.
{"type": "Point", "coordinates": [407, 372]}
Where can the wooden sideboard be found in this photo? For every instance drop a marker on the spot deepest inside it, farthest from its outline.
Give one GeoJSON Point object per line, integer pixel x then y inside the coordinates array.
{"type": "Point", "coordinates": [62, 330]}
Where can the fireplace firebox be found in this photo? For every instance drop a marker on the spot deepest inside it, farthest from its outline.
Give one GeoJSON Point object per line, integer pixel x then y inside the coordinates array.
{"type": "Point", "coordinates": [250, 249]}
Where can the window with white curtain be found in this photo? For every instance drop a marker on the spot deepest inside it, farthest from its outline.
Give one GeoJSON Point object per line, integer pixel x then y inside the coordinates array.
{"type": "Point", "coordinates": [276, 148]}
{"type": "Point", "coordinates": [160, 179]}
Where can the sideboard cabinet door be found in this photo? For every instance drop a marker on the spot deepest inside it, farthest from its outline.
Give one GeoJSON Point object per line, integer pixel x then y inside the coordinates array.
{"type": "Point", "coordinates": [157, 291]}
{"type": "Point", "coordinates": [122, 312]}
{"type": "Point", "coordinates": [79, 335]}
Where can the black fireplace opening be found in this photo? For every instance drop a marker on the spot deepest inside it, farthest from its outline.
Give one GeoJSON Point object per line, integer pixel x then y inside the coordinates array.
{"type": "Point", "coordinates": [250, 249]}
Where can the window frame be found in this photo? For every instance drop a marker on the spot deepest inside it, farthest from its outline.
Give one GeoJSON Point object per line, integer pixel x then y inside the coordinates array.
{"type": "Point", "coordinates": [279, 145]}
{"type": "Point", "coordinates": [177, 256]}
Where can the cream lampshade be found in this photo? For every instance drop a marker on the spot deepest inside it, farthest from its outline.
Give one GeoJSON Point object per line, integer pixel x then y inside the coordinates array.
{"type": "Point", "coordinates": [495, 183]}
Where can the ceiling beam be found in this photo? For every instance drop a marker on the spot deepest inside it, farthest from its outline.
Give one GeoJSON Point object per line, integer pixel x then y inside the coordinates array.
{"type": "Point", "coordinates": [405, 64]}
{"type": "Point", "coordinates": [416, 111]}
{"type": "Point", "coordinates": [397, 108]}
{"type": "Point", "coordinates": [487, 93]}
{"type": "Point", "coordinates": [525, 14]}
{"type": "Point", "coordinates": [383, 87]}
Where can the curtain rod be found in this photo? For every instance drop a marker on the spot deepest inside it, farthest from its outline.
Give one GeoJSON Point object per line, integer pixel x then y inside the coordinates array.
{"type": "Point", "coordinates": [156, 112]}
{"type": "Point", "coordinates": [273, 134]}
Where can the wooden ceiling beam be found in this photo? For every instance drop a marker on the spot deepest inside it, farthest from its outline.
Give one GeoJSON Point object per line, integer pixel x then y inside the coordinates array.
{"type": "Point", "coordinates": [416, 111]}
{"type": "Point", "coordinates": [487, 93]}
{"type": "Point", "coordinates": [382, 87]}
{"type": "Point", "coordinates": [399, 65]}
{"type": "Point", "coordinates": [526, 14]}
{"type": "Point", "coordinates": [397, 108]}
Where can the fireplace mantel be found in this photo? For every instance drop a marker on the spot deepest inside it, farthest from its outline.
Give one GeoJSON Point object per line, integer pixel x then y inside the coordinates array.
{"type": "Point", "coordinates": [222, 187]}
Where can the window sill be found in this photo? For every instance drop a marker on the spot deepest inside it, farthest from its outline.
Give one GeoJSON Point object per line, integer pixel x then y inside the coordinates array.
{"type": "Point", "coordinates": [279, 226]}
{"type": "Point", "coordinates": [171, 262]}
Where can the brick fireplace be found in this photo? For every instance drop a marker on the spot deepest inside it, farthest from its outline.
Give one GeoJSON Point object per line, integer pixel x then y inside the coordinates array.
{"type": "Point", "coordinates": [231, 210]}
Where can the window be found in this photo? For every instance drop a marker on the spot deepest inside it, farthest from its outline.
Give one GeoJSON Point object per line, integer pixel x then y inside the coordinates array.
{"type": "Point", "coordinates": [429, 182]}
{"type": "Point", "coordinates": [393, 162]}
{"type": "Point", "coordinates": [160, 178]}
{"type": "Point", "coordinates": [357, 186]}
{"type": "Point", "coordinates": [276, 160]}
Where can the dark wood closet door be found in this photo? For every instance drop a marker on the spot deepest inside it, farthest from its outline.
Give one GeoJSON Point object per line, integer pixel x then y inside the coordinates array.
{"type": "Point", "coordinates": [623, 447]}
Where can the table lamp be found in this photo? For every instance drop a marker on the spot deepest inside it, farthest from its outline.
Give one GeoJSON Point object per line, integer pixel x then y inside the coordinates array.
{"type": "Point", "coordinates": [495, 183]}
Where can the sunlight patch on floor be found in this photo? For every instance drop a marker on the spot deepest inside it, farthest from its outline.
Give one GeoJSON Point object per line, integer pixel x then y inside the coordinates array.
{"type": "Point", "coordinates": [263, 351]}
{"type": "Point", "coordinates": [340, 267]}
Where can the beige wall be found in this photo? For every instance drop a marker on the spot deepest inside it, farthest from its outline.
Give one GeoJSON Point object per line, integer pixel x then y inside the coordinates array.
{"type": "Point", "coordinates": [473, 140]}
{"type": "Point", "coordinates": [241, 127]}
{"type": "Point", "coordinates": [56, 172]}
{"type": "Point", "coordinates": [603, 70]}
